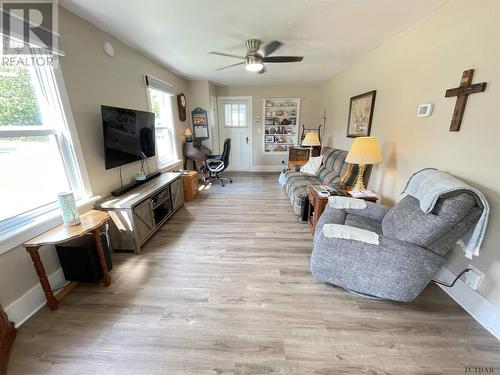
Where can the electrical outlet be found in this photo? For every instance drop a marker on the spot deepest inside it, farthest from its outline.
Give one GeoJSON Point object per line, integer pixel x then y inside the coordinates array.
{"type": "Point", "coordinates": [473, 278]}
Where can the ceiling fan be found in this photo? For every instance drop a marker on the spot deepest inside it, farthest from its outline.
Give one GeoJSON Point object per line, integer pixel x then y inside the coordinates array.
{"type": "Point", "coordinates": [258, 54]}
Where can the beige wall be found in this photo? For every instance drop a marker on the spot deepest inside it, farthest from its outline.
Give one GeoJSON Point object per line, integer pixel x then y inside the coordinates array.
{"type": "Point", "coordinates": [198, 96]}
{"type": "Point", "coordinates": [311, 112]}
{"type": "Point", "coordinates": [416, 67]}
{"type": "Point", "coordinates": [92, 78]}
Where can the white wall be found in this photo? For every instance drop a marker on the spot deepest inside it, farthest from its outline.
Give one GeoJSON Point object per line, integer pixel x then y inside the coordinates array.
{"type": "Point", "coordinates": [415, 67]}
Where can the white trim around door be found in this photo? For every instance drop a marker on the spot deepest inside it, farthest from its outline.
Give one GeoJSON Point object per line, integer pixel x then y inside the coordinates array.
{"type": "Point", "coordinates": [244, 132]}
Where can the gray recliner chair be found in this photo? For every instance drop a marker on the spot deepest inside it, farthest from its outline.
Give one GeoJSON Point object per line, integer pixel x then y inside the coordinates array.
{"type": "Point", "coordinates": [411, 247]}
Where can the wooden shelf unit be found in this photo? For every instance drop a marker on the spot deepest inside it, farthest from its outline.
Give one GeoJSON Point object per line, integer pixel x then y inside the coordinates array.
{"type": "Point", "coordinates": [138, 214]}
{"type": "Point", "coordinates": [282, 122]}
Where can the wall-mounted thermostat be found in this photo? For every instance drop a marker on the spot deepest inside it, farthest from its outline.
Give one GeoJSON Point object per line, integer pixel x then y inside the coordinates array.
{"type": "Point", "coordinates": [424, 110]}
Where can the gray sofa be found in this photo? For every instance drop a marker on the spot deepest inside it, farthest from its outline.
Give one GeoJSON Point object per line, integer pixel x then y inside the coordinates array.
{"type": "Point", "coordinates": [411, 247]}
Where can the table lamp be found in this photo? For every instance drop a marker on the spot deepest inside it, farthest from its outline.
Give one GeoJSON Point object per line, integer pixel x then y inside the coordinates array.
{"type": "Point", "coordinates": [311, 140]}
{"type": "Point", "coordinates": [364, 150]}
{"type": "Point", "coordinates": [188, 135]}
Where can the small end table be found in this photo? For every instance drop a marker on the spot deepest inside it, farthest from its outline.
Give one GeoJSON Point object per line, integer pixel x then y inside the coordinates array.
{"type": "Point", "coordinates": [317, 205]}
{"type": "Point", "coordinates": [91, 221]}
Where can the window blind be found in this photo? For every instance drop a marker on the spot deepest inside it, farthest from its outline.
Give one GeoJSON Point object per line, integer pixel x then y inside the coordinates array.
{"type": "Point", "coordinates": [157, 84]}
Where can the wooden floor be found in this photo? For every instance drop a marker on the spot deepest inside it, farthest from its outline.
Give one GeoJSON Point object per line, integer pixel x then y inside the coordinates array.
{"type": "Point", "coordinates": [225, 288]}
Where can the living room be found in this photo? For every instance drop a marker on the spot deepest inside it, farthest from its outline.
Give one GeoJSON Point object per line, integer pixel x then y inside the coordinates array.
{"type": "Point", "coordinates": [243, 267]}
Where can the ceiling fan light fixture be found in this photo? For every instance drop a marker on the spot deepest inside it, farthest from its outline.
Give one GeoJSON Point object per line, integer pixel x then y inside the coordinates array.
{"type": "Point", "coordinates": [256, 67]}
{"type": "Point", "coordinates": [253, 64]}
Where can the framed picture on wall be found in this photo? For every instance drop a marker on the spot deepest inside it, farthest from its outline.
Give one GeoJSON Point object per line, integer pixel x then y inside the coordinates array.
{"type": "Point", "coordinates": [361, 115]}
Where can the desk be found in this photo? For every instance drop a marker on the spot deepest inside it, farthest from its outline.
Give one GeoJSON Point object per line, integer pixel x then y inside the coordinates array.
{"type": "Point", "coordinates": [196, 154]}
{"type": "Point", "coordinates": [91, 221]}
{"type": "Point", "coordinates": [317, 205]}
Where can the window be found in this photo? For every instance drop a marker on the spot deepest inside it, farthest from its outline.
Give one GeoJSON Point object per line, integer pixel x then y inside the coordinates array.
{"type": "Point", "coordinates": [161, 105]}
{"type": "Point", "coordinates": [235, 115]}
{"type": "Point", "coordinates": [37, 158]}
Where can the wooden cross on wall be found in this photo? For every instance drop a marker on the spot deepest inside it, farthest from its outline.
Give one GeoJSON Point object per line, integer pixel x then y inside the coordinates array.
{"type": "Point", "coordinates": [462, 92]}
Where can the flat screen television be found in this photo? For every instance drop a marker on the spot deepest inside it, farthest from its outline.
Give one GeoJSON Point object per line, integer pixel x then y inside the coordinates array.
{"type": "Point", "coordinates": [129, 135]}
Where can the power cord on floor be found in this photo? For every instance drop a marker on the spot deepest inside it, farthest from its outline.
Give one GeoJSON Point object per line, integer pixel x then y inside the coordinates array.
{"type": "Point", "coordinates": [454, 281]}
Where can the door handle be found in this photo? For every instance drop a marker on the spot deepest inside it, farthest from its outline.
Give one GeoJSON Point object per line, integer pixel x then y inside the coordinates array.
{"type": "Point", "coordinates": [247, 140]}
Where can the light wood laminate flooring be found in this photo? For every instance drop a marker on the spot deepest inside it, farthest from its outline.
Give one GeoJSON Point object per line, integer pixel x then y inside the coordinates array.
{"type": "Point", "coordinates": [225, 288]}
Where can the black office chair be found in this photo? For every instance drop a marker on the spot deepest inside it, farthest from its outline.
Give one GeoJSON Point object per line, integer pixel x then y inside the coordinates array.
{"type": "Point", "coordinates": [217, 164]}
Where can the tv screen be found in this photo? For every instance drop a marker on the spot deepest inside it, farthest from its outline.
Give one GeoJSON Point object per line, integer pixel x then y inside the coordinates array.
{"type": "Point", "coordinates": [129, 135]}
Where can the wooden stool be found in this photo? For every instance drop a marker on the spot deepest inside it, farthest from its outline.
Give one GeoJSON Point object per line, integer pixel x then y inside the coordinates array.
{"type": "Point", "coordinates": [190, 182]}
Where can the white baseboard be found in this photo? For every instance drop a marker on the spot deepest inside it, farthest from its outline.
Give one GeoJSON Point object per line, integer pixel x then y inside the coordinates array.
{"type": "Point", "coordinates": [33, 300]}
{"type": "Point", "coordinates": [474, 303]}
{"type": "Point", "coordinates": [267, 168]}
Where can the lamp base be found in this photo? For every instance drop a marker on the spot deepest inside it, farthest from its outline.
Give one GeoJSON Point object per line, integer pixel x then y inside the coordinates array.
{"type": "Point", "coordinates": [359, 184]}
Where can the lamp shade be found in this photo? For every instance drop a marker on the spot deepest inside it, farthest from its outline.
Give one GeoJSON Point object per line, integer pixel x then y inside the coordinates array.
{"type": "Point", "coordinates": [364, 150]}
{"type": "Point", "coordinates": [188, 133]}
{"type": "Point", "coordinates": [311, 139]}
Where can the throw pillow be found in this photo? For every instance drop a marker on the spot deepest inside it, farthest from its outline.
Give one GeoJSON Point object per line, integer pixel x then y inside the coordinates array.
{"type": "Point", "coordinates": [312, 166]}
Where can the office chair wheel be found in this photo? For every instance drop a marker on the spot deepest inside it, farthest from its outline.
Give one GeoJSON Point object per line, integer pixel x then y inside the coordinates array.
{"type": "Point", "coordinates": [222, 183]}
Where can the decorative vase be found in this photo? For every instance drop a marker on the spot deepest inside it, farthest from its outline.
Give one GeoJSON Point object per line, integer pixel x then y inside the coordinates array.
{"type": "Point", "coordinates": [67, 205]}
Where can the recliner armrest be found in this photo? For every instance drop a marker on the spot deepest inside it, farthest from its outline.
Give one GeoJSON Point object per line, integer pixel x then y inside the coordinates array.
{"type": "Point", "coordinates": [372, 211]}
{"type": "Point", "coordinates": [329, 216]}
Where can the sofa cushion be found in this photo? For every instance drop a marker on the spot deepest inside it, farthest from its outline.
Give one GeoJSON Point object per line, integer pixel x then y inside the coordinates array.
{"type": "Point", "coordinates": [349, 173]}
{"type": "Point", "coordinates": [327, 176]}
{"type": "Point", "coordinates": [407, 222]}
{"type": "Point", "coordinates": [296, 187]}
{"type": "Point", "coordinates": [312, 166]}
{"type": "Point", "coordinates": [335, 170]}
{"type": "Point", "coordinates": [333, 159]}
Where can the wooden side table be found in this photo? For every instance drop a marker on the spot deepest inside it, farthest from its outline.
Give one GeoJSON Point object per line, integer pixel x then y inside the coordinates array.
{"type": "Point", "coordinates": [190, 182]}
{"type": "Point", "coordinates": [317, 205]}
{"type": "Point", "coordinates": [91, 221]}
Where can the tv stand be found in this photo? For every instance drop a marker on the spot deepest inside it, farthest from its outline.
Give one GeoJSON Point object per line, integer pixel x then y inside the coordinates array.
{"type": "Point", "coordinates": [139, 213]}
{"type": "Point", "coordinates": [125, 189]}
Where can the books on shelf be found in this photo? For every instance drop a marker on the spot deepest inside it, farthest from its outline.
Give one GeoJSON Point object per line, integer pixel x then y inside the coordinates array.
{"type": "Point", "coordinates": [281, 124]}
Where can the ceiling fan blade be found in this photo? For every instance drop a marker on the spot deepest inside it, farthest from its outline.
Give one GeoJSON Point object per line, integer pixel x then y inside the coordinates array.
{"type": "Point", "coordinates": [230, 66]}
{"type": "Point", "coordinates": [226, 55]}
{"type": "Point", "coordinates": [270, 48]}
{"type": "Point", "coordinates": [283, 59]}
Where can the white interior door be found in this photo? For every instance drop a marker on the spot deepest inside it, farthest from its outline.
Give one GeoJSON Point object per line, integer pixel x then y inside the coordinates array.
{"type": "Point", "coordinates": [235, 122]}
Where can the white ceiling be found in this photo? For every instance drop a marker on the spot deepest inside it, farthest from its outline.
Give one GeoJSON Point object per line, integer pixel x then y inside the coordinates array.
{"type": "Point", "coordinates": [330, 34]}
